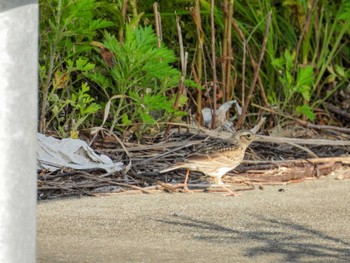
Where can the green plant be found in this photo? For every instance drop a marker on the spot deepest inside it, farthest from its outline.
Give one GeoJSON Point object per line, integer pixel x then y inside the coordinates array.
{"type": "Point", "coordinates": [70, 114]}
{"type": "Point", "coordinates": [305, 47]}
{"type": "Point", "coordinates": [294, 91]}
{"type": "Point", "coordinates": [141, 76]}
{"type": "Point", "coordinates": [306, 59]}
{"type": "Point", "coordinates": [330, 55]}
{"type": "Point", "coordinates": [68, 28]}
{"type": "Point", "coordinates": [69, 106]}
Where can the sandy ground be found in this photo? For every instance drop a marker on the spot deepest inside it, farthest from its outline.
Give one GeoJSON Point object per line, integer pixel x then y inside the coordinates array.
{"type": "Point", "coordinates": [307, 222]}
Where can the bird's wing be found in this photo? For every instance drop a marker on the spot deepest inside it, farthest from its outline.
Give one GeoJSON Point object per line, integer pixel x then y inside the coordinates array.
{"type": "Point", "coordinates": [206, 156]}
{"type": "Point", "coordinates": [226, 157]}
{"type": "Point", "coordinates": [213, 146]}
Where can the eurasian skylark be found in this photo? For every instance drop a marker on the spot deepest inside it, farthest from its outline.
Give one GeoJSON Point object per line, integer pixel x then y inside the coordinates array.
{"type": "Point", "coordinates": [216, 159]}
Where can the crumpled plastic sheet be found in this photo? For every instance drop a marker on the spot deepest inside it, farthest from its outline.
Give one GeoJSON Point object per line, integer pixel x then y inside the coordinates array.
{"type": "Point", "coordinates": [54, 154]}
{"type": "Point", "coordinates": [220, 113]}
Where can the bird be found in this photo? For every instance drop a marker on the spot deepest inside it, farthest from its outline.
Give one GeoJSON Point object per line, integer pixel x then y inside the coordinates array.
{"type": "Point", "coordinates": [217, 158]}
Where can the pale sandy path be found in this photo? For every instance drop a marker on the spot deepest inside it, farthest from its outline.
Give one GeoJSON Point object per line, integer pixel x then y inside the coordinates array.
{"type": "Point", "coordinates": [308, 222]}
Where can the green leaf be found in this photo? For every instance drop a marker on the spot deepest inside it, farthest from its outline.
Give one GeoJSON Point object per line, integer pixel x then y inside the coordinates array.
{"type": "Point", "coordinates": [305, 76]}
{"type": "Point", "coordinates": [340, 71]}
{"type": "Point", "coordinates": [306, 111]}
{"type": "Point", "coordinates": [126, 120]}
{"type": "Point", "coordinates": [183, 100]}
{"type": "Point", "coordinates": [146, 118]}
{"type": "Point", "coordinates": [100, 79]}
{"type": "Point", "coordinates": [278, 63]}
{"type": "Point", "coordinates": [289, 59]}
{"type": "Point", "coordinates": [84, 65]}
{"type": "Point", "coordinates": [288, 78]}
{"type": "Point", "coordinates": [344, 11]}
{"type": "Point", "coordinates": [193, 84]}
{"type": "Point", "coordinates": [304, 91]}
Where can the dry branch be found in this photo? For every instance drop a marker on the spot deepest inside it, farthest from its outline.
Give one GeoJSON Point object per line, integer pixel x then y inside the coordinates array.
{"type": "Point", "coordinates": [269, 161]}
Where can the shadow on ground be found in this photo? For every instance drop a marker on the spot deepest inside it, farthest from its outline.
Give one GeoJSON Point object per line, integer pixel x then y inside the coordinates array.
{"type": "Point", "coordinates": [293, 242]}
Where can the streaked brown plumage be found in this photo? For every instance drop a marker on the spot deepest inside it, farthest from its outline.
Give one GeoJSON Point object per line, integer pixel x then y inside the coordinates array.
{"type": "Point", "coordinates": [217, 159]}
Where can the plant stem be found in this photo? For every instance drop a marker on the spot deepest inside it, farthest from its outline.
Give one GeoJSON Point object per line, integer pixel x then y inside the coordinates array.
{"type": "Point", "coordinates": [213, 66]}
{"type": "Point", "coordinates": [198, 71]}
{"type": "Point", "coordinates": [183, 58]}
{"type": "Point", "coordinates": [157, 24]}
{"type": "Point", "coordinates": [256, 73]}
{"type": "Point", "coordinates": [252, 61]}
{"type": "Point", "coordinates": [243, 71]}
{"type": "Point", "coordinates": [224, 49]}
{"type": "Point", "coordinates": [121, 29]}
{"type": "Point", "coordinates": [227, 54]}
{"type": "Point", "coordinates": [45, 92]}
{"type": "Point", "coordinates": [305, 29]}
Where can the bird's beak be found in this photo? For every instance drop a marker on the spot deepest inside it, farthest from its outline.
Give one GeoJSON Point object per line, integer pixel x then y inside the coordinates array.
{"type": "Point", "coordinates": [258, 137]}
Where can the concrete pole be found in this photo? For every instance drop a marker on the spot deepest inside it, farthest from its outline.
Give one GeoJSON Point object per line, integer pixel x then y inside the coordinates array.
{"type": "Point", "coordinates": [18, 126]}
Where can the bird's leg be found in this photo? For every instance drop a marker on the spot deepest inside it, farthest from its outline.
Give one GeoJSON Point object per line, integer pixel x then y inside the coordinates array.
{"type": "Point", "coordinates": [230, 192]}
{"type": "Point", "coordinates": [185, 182]}
{"type": "Point", "coordinates": [219, 183]}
